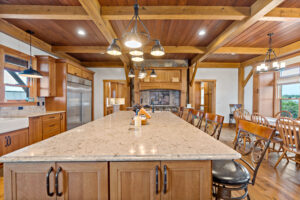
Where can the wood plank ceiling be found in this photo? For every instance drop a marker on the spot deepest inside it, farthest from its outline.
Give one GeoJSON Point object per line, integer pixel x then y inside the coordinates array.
{"type": "Point", "coordinates": [171, 32]}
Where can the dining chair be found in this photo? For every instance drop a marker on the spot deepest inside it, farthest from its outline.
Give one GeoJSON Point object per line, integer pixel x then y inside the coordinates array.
{"type": "Point", "coordinates": [283, 113]}
{"type": "Point", "coordinates": [200, 117]}
{"type": "Point", "coordinates": [238, 114]}
{"type": "Point", "coordinates": [191, 116]}
{"type": "Point", "coordinates": [213, 124]}
{"type": "Point", "coordinates": [289, 132]}
{"type": "Point", "coordinates": [261, 120]}
{"type": "Point", "coordinates": [230, 175]}
{"type": "Point", "coordinates": [180, 112]}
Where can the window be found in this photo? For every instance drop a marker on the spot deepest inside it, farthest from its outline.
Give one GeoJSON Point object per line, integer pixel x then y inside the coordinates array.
{"type": "Point", "coordinates": [16, 87]}
{"type": "Point", "coordinates": [290, 72]}
{"type": "Point", "coordinates": [290, 97]}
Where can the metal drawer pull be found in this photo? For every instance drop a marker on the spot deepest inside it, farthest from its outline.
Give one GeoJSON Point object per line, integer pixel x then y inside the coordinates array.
{"type": "Point", "coordinates": [156, 179]}
{"type": "Point", "coordinates": [50, 194]}
{"type": "Point", "coordinates": [6, 141]}
{"type": "Point", "coordinates": [56, 182]}
{"type": "Point", "coordinates": [165, 179]}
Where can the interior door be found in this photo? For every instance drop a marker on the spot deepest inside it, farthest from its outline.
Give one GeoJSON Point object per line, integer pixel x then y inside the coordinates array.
{"type": "Point", "coordinates": [134, 180]}
{"type": "Point", "coordinates": [186, 180]}
{"type": "Point", "coordinates": [28, 181]}
{"type": "Point", "coordinates": [82, 180]}
{"type": "Point", "coordinates": [73, 105]}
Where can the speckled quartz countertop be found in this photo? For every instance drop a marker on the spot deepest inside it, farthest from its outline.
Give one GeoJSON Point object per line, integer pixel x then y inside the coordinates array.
{"type": "Point", "coordinates": [112, 138]}
{"type": "Point", "coordinates": [32, 114]}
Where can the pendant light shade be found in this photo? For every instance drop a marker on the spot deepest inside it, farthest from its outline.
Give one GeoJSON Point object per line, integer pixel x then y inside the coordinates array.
{"type": "Point", "coordinates": [153, 74]}
{"type": "Point", "coordinates": [136, 52]}
{"type": "Point", "coordinates": [131, 40]}
{"type": "Point", "coordinates": [30, 73]}
{"type": "Point", "coordinates": [157, 49]}
{"type": "Point", "coordinates": [142, 73]}
{"type": "Point", "coordinates": [114, 48]}
{"type": "Point", "coordinates": [131, 73]}
{"type": "Point", "coordinates": [137, 58]}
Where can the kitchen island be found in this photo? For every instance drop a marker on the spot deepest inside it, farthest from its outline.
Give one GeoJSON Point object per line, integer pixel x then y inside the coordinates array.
{"type": "Point", "coordinates": [111, 159]}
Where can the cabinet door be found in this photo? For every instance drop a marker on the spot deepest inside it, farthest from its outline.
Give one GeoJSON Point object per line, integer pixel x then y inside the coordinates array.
{"type": "Point", "coordinates": [28, 181]}
{"type": "Point", "coordinates": [134, 180]}
{"type": "Point", "coordinates": [186, 180]}
{"type": "Point", "coordinates": [35, 129]}
{"type": "Point", "coordinates": [13, 141]}
{"type": "Point", "coordinates": [83, 180]}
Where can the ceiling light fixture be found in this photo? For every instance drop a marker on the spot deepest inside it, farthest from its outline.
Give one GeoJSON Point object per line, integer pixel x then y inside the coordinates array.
{"type": "Point", "coordinates": [268, 65]}
{"type": "Point", "coordinates": [139, 36]}
{"type": "Point", "coordinates": [81, 32]}
{"type": "Point", "coordinates": [136, 52]}
{"type": "Point", "coordinates": [153, 74]}
{"type": "Point", "coordinates": [202, 32]}
{"type": "Point", "coordinates": [157, 49]}
{"type": "Point", "coordinates": [137, 58]}
{"type": "Point", "coordinates": [30, 73]}
{"type": "Point", "coordinates": [114, 48]}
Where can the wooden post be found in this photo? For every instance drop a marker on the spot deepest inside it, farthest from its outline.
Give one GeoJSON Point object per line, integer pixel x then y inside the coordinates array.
{"type": "Point", "coordinates": [241, 71]}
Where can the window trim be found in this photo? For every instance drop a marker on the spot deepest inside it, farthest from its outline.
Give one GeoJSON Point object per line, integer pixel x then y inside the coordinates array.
{"type": "Point", "coordinates": [32, 84]}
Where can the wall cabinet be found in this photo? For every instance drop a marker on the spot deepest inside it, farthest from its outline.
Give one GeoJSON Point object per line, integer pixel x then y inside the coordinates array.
{"type": "Point", "coordinates": [12, 141]}
{"type": "Point", "coordinates": [77, 71]}
{"type": "Point", "coordinates": [46, 86]}
{"type": "Point", "coordinates": [56, 181]}
{"type": "Point", "coordinates": [157, 180]}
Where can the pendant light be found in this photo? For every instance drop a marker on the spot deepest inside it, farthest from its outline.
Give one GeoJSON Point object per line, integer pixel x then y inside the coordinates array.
{"type": "Point", "coordinates": [153, 74]}
{"type": "Point", "coordinates": [135, 37]}
{"type": "Point", "coordinates": [268, 65]}
{"type": "Point", "coordinates": [157, 49]}
{"type": "Point", "coordinates": [30, 73]}
{"type": "Point", "coordinates": [142, 73]}
{"type": "Point", "coordinates": [131, 73]}
{"type": "Point", "coordinates": [114, 48]}
{"type": "Point", "coordinates": [136, 52]}
{"type": "Point", "coordinates": [137, 58]}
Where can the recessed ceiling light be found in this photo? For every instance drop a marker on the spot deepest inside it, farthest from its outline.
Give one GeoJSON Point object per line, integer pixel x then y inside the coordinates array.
{"type": "Point", "coordinates": [81, 32]}
{"type": "Point", "coordinates": [202, 32]}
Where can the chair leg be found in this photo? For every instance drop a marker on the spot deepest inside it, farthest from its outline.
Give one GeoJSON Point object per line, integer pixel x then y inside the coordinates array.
{"type": "Point", "coordinates": [267, 153]}
{"type": "Point", "coordinates": [282, 155]}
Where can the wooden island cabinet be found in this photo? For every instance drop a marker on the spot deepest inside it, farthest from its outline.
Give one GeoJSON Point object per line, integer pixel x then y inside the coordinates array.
{"type": "Point", "coordinates": [167, 159]}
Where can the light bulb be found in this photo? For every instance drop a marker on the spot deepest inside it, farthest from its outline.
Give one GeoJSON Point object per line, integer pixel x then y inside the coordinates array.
{"type": "Point", "coordinates": [275, 65]}
{"type": "Point", "coordinates": [282, 65]}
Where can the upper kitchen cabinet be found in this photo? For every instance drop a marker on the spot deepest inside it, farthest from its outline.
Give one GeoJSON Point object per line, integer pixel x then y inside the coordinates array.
{"type": "Point", "coordinates": [46, 86]}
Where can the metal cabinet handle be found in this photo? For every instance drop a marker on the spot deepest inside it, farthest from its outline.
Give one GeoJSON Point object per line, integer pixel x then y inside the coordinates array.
{"type": "Point", "coordinates": [9, 140]}
{"type": "Point", "coordinates": [6, 141]}
{"type": "Point", "coordinates": [156, 179]}
{"type": "Point", "coordinates": [165, 179]}
{"type": "Point", "coordinates": [50, 194]}
{"type": "Point", "coordinates": [56, 182]}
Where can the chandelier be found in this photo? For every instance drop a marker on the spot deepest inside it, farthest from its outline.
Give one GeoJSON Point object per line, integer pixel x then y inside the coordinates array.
{"type": "Point", "coordinates": [270, 64]}
{"type": "Point", "coordinates": [135, 39]}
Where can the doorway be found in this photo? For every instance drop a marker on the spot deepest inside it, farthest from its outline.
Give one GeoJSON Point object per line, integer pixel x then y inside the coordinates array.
{"type": "Point", "coordinates": [205, 95]}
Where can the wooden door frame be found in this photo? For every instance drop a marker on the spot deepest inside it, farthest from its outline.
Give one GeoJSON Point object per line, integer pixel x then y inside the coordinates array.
{"type": "Point", "coordinates": [192, 94]}
{"type": "Point", "coordinates": [127, 99]}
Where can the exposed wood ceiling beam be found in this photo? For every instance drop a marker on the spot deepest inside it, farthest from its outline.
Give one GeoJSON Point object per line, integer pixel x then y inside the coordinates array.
{"type": "Point", "coordinates": [168, 49]}
{"type": "Point", "coordinates": [92, 8]}
{"type": "Point", "coordinates": [21, 35]}
{"type": "Point", "coordinates": [258, 10]}
{"type": "Point", "coordinates": [146, 13]}
{"type": "Point", "coordinates": [218, 65]}
{"type": "Point", "coordinates": [103, 64]}
{"type": "Point", "coordinates": [282, 52]}
{"type": "Point", "coordinates": [43, 12]}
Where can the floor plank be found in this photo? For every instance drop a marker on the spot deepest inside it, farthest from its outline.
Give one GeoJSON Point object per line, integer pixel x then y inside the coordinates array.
{"type": "Point", "coordinates": [282, 183]}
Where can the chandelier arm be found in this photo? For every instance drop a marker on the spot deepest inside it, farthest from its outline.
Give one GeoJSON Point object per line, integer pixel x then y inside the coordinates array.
{"type": "Point", "coordinates": [144, 26]}
{"type": "Point", "coordinates": [275, 55]}
{"type": "Point", "coordinates": [129, 23]}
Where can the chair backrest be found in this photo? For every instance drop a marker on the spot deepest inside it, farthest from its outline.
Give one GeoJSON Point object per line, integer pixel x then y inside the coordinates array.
{"type": "Point", "coordinates": [258, 138]}
{"type": "Point", "coordinates": [213, 124]}
{"type": "Point", "coordinates": [284, 113]}
{"type": "Point", "coordinates": [191, 116]}
{"type": "Point", "coordinates": [200, 117]}
{"type": "Point", "coordinates": [234, 107]}
{"type": "Point", "coordinates": [259, 119]}
{"type": "Point", "coordinates": [180, 112]}
{"type": "Point", "coordinates": [289, 132]}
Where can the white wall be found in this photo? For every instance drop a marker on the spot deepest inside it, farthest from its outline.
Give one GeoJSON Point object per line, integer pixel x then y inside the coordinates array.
{"type": "Point", "coordinates": [100, 75]}
{"type": "Point", "coordinates": [226, 87]}
{"type": "Point", "coordinates": [18, 45]}
{"type": "Point", "coordinates": [248, 91]}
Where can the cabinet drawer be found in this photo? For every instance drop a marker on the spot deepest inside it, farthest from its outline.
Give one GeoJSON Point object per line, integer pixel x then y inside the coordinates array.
{"type": "Point", "coordinates": [74, 70]}
{"type": "Point", "coordinates": [13, 141]}
{"type": "Point", "coordinates": [50, 133]}
{"type": "Point", "coordinates": [51, 117]}
{"type": "Point", "coordinates": [50, 126]}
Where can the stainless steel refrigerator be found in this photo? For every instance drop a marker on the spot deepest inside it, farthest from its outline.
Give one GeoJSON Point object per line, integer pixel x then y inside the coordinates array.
{"type": "Point", "coordinates": [79, 101]}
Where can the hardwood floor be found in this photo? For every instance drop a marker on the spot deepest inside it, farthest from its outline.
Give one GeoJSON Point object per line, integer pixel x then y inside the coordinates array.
{"type": "Point", "coordinates": [282, 183]}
